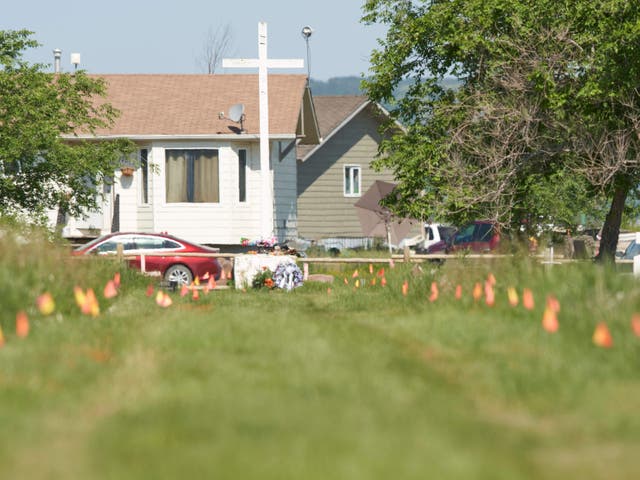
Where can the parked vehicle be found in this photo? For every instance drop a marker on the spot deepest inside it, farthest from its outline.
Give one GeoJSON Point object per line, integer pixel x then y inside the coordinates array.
{"type": "Point", "coordinates": [631, 251]}
{"type": "Point", "coordinates": [481, 236]}
{"type": "Point", "coordinates": [173, 265]}
{"type": "Point", "coordinates": [433, 233]}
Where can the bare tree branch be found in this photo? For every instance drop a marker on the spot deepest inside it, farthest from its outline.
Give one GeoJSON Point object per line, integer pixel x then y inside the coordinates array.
{"type": "Point", "coordinates": [217, 44]}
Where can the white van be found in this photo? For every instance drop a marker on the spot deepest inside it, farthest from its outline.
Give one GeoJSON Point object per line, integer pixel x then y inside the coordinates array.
{"type": "Point", "coordinates": [433, 233]}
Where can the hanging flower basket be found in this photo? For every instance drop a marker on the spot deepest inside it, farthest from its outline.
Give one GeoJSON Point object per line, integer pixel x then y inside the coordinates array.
{"type": "Point", "coordinates": [127, 171]}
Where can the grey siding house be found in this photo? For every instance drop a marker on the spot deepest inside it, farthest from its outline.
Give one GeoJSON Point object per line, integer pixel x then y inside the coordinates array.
{"type": "Point", "coordinates": [334, 174]}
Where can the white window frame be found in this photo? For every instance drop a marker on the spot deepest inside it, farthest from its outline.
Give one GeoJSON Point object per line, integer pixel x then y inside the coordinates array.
{"type": "Point", "coordinates": [191, 149]}
{"type": "Point", "coordinates": [350, 169]}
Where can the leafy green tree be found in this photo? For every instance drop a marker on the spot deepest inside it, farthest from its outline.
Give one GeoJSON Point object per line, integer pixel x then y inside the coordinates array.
{"type": "Point", "coordinates": [43, 165]}
{"type": "Point", "coordinates": [544, 120]}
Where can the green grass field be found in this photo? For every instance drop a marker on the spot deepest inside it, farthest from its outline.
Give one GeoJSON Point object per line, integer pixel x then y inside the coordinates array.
{"type": "Point", "coordinates": [359, 383]}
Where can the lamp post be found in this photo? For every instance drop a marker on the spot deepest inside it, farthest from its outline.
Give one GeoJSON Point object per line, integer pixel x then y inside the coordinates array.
{"type": "Point", "coordinates": [306, 33]}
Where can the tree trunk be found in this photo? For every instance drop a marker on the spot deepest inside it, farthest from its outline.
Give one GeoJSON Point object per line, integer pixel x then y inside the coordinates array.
{"type": "Point", "coordinates": [611, 227]}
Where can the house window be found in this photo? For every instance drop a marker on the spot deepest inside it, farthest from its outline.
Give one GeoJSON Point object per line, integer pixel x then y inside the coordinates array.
{"type": "Point", "coordinates": [144, 168]}
{"type": "Point", "coordinates": [242, 175]}
{"type": "Point", "coordinates": [352, 181]}
{"type": "Point", "coordinates": [192, 176]}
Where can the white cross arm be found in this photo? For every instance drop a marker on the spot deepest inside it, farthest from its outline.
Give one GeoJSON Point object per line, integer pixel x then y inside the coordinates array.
{"type": "Point", "coordinates": [285, 63]}
{"type": "Point", "coordinates": [240, 63]}
{"type": "Point", "coordinates": [255, 63]}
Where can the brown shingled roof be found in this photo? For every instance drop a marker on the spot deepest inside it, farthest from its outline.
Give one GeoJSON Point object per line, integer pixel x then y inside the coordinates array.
{"type": "Point", "coordinates": [180, 105]}
{"type": "Point", "coordinates": [331, 112]}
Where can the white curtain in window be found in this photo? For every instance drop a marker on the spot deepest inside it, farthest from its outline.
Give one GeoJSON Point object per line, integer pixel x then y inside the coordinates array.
{"type": "Point", "coordinates": [205, 176]}
{"type": "Point", "coordinates": [176, 176]}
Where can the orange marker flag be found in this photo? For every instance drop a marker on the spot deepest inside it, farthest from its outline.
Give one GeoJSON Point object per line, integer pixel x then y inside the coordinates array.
{"type": "Point", "coordinates": [512, 295]}
{"type": "Point", "coordinates": [381, 272]}
{"type": "Point", "coordinates": [163, 299]}
{"type": "Point", "coordinates": [458, 292]}
{"type": "Point", "coordinates": [477, 291]}
{"type": "Point", "coordinates": [527, 299]}
{"type": "Point", "coordinates": [346, 282]}
{"type": "Point", "coordinates": [383, 281]}
{"type": "Point", "coordinates": [358, 283]}
{"type": "Point", "coordinates": [110, 290]}
{"type": "Point", "coordinates": [90, 305]}
{"type": "Point", "coordinates": [635, 324]}
{"type": "Point", "coordinates": [22, 324]}
{"type": "Point", "coordinates": [184, 290]}
{"type": "Point", "coordinates": [79, 295]}
{"type": "Point", "coordinates": [197, 281]}
{"type": "Point", "coordinates": [211, 283]}
{"type": "Point", "coordinates": [373, 281]}
{"type": "Point", "coordinates": [434, 292]}
{"type": "Point", "coordinates": [489, 294]}
{"type": "Point", "coordinates": [116, 279]}
{"type": "Point", "coordinates": [196, 295]}
{"type": "Point", "coordinates": [602, 336]}
{"type": "Point", "coordinates": [328, 290]}
{"type": "Point", "coordinates": [1, 338]}
{"type": "Point", "coordinates": [371, 268]}
{"type": "Point", "coordinates": [205, 276]}
{"type": "Point", "coordinates": [167, 301]}
{"type": "Point", "coordinates": [355, 273]}
{"type": "Point", "coordinates": [491, 279]}
{"type": "Point", "coordinates": [45, 304]}
{"type": "Point", "coordinates": [553, 303]}
{"type": "Point", "coordinates": [149, 290]}
{"type": "Point", "coordinates": [405, 288]}
{"type": "Point", "coordinates": [550, 321]}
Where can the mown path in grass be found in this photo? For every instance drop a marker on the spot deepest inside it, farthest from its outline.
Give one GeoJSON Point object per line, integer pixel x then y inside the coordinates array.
{"type": "Point", "coordinates": [352, 384]}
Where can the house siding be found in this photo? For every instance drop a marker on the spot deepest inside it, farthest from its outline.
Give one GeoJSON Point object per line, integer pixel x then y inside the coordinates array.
{"type": "Point", "coordinates": [323, 210]}
{"type": "Point", "coordinates": [127, 188]}
{"type": "Point", "coordinates": [285, 208]}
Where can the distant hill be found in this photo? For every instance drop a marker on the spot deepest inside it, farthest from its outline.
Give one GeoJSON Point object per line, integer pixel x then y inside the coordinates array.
{"type": "Point", "coordinates": [336, 86]}
{"type": "Point", "coordinates": [351, 86]}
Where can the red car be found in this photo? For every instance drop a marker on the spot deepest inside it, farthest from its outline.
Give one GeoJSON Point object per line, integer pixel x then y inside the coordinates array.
{"type": "Point", "coordinates": [172, 264]}
{"type": "Point", "coordinates": [481, 236]}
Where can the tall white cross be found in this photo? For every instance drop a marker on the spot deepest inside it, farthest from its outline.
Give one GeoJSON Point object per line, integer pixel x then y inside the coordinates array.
{"type": "Point", "coordinates": [263, 63]}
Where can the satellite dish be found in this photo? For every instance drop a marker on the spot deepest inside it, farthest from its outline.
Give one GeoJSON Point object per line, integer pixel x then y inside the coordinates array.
{"type": "Point", "coordinates": [236, 112]}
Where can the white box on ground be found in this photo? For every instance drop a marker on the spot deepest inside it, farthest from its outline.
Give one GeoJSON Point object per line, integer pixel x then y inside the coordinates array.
{"type": "Point", "coordinates": [246, 266]}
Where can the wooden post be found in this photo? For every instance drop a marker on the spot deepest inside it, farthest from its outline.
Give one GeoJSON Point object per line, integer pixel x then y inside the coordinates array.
{"type": "Point", "coordinates": [119, 251]}
{"type": "Point", "coordinates": [407, 254]}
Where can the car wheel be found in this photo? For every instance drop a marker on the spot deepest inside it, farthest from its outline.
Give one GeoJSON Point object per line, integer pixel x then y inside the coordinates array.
{"type": "Point", "coordinates": [179, 273]}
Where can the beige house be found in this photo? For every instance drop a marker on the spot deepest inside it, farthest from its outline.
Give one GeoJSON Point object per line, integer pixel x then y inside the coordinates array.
{"type": "Point", "coordinates": [334, 174]}
{"type": "Point", "coordinates": [197, 173]}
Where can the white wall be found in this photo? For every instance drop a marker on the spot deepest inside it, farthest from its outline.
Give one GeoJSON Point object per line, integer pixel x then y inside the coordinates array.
{"type": "Point", "coordinates": [225, 222]}
{"type": "Point", "coordinates": [229, 220]}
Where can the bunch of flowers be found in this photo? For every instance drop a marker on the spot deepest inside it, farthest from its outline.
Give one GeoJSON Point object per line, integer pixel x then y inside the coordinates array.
{"type": "Point", "coordinates": [262, 242]}
{"type": "Point", "coordinates": [263, 278]}
{"type": "Point", "coordinates": [287, 276]}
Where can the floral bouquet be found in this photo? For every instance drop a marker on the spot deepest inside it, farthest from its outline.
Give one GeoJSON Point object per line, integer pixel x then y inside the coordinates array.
{"type": "Point", "coordinates": [263, 278]}
{"type": "Point", "coordinates": [261, 243]}
{"type": "Point", "coordinates": [287, 276]}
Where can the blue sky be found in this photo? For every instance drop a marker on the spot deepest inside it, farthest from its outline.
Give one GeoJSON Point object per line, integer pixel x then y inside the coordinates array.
{"type": "Point", "coordinates": [161, 36]}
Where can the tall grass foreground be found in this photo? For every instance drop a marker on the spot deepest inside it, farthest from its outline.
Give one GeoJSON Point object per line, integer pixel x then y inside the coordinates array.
{"type": "Point", "coordinates": [476, 369]}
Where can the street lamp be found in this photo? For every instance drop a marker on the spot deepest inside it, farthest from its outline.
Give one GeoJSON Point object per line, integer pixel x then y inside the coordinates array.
{"type": "Point", "coordinates": [306, 33]}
